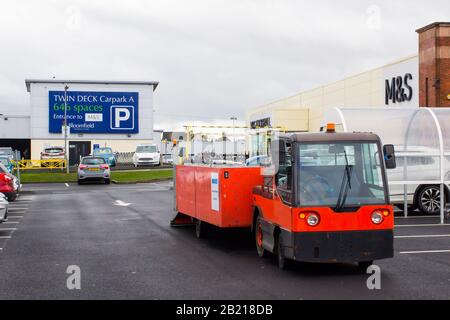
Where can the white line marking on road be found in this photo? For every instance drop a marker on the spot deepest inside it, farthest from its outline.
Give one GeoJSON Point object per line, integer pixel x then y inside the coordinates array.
{"type": "Point", "coordinates": [67, 185]}
{"type": "Point", "coordinates": [5, 237]}
{"type": "Point", "coordinates": [11, 222]}
{"type": "Point", "coordinates": [412, 217]}
{"type": "Point", "coordinates": [423, 236]}
{"type": "Point", "coordinates": [423, 225]}
{"type": "Point", "coordinates": [8, 229]}
{"type": "Point", "coordinates": [120, 203]}
{"type": "Point", "coordinates": [425, 251]}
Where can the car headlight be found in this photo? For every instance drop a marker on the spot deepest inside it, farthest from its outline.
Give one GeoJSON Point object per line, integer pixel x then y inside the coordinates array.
{"type": "Point", "coordinates": [377, 217]}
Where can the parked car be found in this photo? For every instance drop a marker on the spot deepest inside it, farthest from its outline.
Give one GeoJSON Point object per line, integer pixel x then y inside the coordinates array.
{"type": "Point", "coordinates": [53, 153]}
{"type": "Point", "coordinates": [3, 208]}
{"type": "Point", "coordinates": [260, 160]}
{"type": "Point", "coordinates": [107, 154]}
{"type": "Point", "coordinates": [4, 169]}
{"type": "Point", "coordinates": [167, 159]}
{"type": "Point", "coordinates": [147, 154]}
{"type": "Point", "coordinates": [8, 186]}
{"type": "Point", "coordinates": [7, 162]}
{"type": "Point", "coordinates": [94, 168]}
{"type": "Point", "coordinates": [7, 152]}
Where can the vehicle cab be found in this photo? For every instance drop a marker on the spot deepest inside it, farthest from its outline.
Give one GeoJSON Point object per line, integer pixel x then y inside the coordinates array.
{"type": "Point", "coordinates": [327, 199]}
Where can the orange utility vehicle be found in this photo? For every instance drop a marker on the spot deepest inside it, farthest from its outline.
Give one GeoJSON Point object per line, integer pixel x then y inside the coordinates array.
{"type": "Point", "coordinates": [324, 198]}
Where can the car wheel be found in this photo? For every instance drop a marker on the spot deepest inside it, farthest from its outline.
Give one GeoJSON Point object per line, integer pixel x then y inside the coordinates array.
{"type": "Point", "coordinates": [12, 197]}
{"type": "Point", "coordinates": [107, 181]}
{"type": "Point", "coordinates": [79, 181]}
{"type": "Point", "coordinates": [283, 262]}
{"type": "Point", "coordinates": [259, 238]}
{"type": "Point", "coordinates": [429, 200]}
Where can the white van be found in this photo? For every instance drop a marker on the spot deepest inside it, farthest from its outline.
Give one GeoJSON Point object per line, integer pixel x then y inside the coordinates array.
{"type": "Point", "coordinates": [147, 155]}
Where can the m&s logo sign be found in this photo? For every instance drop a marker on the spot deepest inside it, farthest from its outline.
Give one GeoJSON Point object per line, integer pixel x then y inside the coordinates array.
{"type": "Point", "coordinates": [398, 89]}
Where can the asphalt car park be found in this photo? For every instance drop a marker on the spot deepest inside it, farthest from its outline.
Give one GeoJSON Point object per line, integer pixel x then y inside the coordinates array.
{"type": "Point", "coordinates": [119, 236]}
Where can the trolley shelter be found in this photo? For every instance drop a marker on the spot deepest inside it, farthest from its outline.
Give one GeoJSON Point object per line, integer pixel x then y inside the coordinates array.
{"type": "Point", "coordinates": [421, 137]}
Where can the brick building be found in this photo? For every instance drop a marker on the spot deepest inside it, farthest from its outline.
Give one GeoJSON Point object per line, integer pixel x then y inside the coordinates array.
{"type": "Point", "coordinates": [434, 65]}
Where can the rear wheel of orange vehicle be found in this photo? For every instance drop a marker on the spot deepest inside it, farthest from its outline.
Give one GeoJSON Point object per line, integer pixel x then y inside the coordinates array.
{"type": "Point", "coordinates": [283, 262]}
{"type": "Point", "coordinates": [259, 238]}
{"type": "Point", "coordinates": [200, 229]}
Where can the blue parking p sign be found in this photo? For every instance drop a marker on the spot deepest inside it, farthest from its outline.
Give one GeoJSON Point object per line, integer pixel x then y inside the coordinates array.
{"type": "Point", "coordinates": [94, 112]}
{"type": "Point", "coordinates": [122, 117]}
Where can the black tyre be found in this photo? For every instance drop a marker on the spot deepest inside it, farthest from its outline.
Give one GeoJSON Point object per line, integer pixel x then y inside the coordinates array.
{"type": "Point", "coordinates": [363, 265]}
{"type": "Point", "coordinates": [259, 238]}
{"type": "Point", "coordinates": [11, 197]}
{"type": "Point", "coordinates": [411, 207]}
{"type": "Point", "coordinates": [79, 182]}
{"type": "Point", "coordinates": [201, 229]}
{"type": "Point", "coordinates": [283, 262]}
{"type": "Point", "coordinates": [429, 200]}
{"type": "Point", "coordinates": [107, 181]}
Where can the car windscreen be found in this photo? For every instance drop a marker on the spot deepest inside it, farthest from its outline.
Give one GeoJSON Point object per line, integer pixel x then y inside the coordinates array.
{"type": "Point", "coordinates": [93, 161]}
{"type": "Point", "coordinates": [146, 149]}
{"type": "Point", "coordinates": [327, 171]}
{"type": "Point", "coordinates": [103, 151]}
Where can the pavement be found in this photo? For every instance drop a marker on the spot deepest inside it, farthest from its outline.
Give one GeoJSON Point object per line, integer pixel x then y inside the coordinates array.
{"type": "Point", "coordinates": [120, 239]}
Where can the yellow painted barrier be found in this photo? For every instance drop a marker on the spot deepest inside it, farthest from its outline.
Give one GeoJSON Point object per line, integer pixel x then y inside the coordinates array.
{"type": "Point", "coordinates": [41, 164]}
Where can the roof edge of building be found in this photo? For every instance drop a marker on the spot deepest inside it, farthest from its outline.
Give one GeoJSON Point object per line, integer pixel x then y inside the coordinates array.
{"type": "Point", "coordinates": [432, 25]}
{"type": "Point", "coordinates": [29, 81]}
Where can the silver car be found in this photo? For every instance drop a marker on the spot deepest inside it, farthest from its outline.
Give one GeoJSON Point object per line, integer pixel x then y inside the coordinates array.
{"type": "Point", "coordinates": [94, 168]}
{"type": "Point", "coordinates": [3, 208]}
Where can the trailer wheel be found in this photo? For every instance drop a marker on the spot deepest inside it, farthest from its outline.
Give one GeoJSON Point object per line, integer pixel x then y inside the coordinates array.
{"type": "Point", "coordinates": [283, 262]}
{"type": "Point", "coordinates": [200, 229]}
{"type": "Point", "coordinates": [259, 238]}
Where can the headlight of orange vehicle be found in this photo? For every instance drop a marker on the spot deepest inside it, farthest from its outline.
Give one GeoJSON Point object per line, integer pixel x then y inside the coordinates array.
{"type": "Point", "coordinates": [312, 219]}
{"type": "Point", "coordinates": [377, 217]}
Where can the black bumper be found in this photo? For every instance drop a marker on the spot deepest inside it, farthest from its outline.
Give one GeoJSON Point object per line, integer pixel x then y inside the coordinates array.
{"type": "Point", "coordinates": [346, 246]}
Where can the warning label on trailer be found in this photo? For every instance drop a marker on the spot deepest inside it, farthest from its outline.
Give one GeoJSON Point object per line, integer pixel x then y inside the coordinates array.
{"type": "Point", "coordinates": [215, 191]}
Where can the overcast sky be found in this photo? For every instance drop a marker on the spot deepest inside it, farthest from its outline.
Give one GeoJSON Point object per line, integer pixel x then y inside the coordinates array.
{"type": "Point", "coordinates": [214, 59]}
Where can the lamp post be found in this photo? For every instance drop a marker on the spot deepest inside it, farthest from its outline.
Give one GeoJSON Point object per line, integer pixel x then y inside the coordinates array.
{"type": "Point", "coordinates": [234, 138]}
{"type": "Point", "coordinates": [65, 129]}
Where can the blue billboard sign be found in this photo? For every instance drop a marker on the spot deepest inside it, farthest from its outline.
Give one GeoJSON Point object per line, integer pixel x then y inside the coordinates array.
{"type": "Point", "coordinates": [94, 112]}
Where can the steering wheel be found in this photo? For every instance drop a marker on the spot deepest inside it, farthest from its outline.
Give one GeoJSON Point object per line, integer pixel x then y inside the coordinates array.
{"type": "Point", "coordinates": [315, 188]}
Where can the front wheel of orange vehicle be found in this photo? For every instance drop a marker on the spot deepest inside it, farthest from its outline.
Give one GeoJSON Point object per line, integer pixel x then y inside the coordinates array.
{"type": "Point", "coordinates": [259, 238]}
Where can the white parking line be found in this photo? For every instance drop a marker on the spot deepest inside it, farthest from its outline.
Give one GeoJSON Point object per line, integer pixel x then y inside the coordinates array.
{"type": "Point", "coordinates": [5, 237]}
{"type": "Point", "coordinates": [14, 217]}
{"type": "Point", "coordinates": [425, 251]}
{"type": "Point", "coordinates": [423, 225]}
{"type": "Point", "coordinates": [412, 217]}
{"type": "Point", "coordinates": [423, 236]}
{"type": "Point", "coordinates": [8, 229]}
{"type": "Point", "coordinates": [11, 222]}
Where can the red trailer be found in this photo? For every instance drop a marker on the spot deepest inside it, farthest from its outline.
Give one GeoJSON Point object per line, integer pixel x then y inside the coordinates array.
{"type": "Point", "coordinates": [220, 196]}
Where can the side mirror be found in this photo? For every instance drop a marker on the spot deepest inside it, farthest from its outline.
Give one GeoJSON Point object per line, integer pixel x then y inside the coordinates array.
{"type": "Point", "coordinates": [389, 156]}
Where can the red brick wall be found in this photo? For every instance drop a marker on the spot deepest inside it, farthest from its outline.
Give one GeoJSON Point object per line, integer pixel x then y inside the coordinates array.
{"type": "Point", "coordinates": [434, 65]}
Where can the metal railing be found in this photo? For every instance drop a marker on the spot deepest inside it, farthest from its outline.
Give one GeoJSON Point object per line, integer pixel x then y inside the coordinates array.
{"type": "Point", "coordinates": [40, 164]}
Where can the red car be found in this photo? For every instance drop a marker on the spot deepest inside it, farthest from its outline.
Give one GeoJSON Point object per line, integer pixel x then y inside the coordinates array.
{"type": "Point", "coordinates": [7, 186]}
